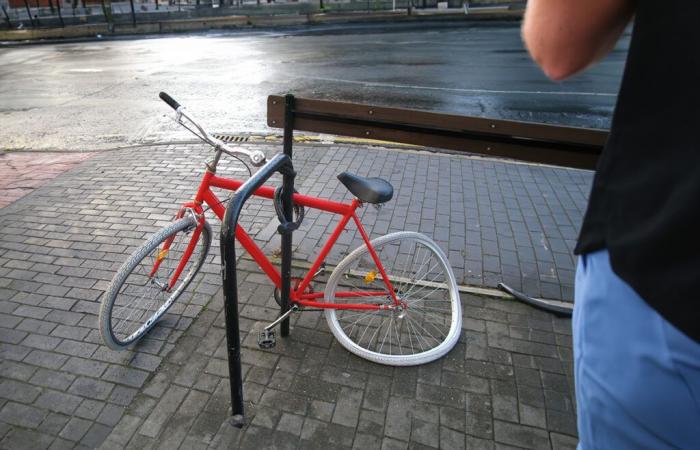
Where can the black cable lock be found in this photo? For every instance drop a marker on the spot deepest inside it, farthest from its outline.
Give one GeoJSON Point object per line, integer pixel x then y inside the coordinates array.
{"type": "Point", "coordinates": [286, 226]}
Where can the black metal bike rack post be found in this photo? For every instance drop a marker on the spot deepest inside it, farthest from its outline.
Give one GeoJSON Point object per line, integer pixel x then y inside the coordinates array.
{"type": "Point", "coordinates": [287, 191]}
{"type": "Point", "coordinates": [281, 163]}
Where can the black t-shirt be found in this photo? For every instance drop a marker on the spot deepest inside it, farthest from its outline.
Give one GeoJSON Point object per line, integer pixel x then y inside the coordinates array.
{"type": "Point", "coordinates": [645, 201]}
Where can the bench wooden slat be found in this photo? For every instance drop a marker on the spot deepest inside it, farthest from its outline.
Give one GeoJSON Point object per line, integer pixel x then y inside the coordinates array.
{"type": "Point", "coordinates": [532, 142]}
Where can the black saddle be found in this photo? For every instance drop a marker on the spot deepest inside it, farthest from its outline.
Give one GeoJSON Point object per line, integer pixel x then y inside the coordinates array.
{"type": "Point", "coordinates": [369, 190]}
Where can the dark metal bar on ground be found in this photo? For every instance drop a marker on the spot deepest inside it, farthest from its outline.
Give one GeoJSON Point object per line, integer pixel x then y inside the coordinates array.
{"type": "Point", "coordinates": [280, 163]}
{"type": "Point", "coordinates": [287, 191]}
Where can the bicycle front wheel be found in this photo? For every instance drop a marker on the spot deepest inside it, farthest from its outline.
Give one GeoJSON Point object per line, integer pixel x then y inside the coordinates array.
{"type": "Point", "coordinates": [141, 292]}
{"type": "Point", "coordinates": [428, 324]}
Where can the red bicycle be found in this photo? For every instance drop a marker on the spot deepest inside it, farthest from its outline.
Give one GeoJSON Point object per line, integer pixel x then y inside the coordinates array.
{"type": "Point", "coordinates": [393, 300]}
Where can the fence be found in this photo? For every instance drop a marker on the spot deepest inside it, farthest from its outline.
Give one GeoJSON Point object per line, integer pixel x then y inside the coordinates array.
{"type": "Point", "coordinates": [57, 13]}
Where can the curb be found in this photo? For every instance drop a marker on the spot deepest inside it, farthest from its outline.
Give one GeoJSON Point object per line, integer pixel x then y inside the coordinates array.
{"type": "Point", "coordinates": [316, 139]}
{"type": "Point", "coordinates": [251, 139]}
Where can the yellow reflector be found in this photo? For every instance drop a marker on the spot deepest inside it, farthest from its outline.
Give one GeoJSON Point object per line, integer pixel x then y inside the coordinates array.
{"type": "Point", "coordinates": [162, 254]}
{"type": "Point", "coordinates": [370, 276]}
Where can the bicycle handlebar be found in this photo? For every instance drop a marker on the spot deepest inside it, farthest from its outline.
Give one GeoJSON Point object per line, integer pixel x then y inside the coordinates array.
{"type": "Point", "coordinates": [169, 100]}
{"type": "Point", "coordinates": [257, 158]}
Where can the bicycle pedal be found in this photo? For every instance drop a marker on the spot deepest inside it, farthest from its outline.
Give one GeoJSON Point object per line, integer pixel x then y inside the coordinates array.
{"type": "Point", "coordinates": [266, 339]}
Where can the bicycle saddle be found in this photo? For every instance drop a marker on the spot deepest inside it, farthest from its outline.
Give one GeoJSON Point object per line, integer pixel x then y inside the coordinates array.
{"type": "Point", "coordinates": [369, 190]}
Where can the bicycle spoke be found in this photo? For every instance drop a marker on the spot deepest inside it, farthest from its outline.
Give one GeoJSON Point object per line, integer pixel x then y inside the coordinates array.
{"type": "Point", "coordinates": [367, 328]}
{"type": "Point", "coordinates": [417, 284]}
{"type": "Point", "coordinates": [410, 280]}
{"type": "Point", "coordinates": [398, 337]}
{"type": "Point", "coordinates": [425, 298]}
{"type": "Point", "coordinates": [418, 336]}
{"type": "Point", "coordinates": [133, 310]}
{"type": "Point", "coordinates": [424, 329]}
{"type": "Point", "coordinates": [362, 316]}
{"type": "Point", "coordinates": [410, 266]}
{"type": "Point", "coordinates": [423, 326]}
{"type": "Point", "coordinates": [410, 339]}
{"type": "Point", "coordinates": [141, 299]}
{"type": "Point", "coordinates": [384, 340]}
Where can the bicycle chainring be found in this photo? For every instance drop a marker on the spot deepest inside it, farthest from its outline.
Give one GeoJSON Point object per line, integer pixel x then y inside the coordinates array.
{"type": "Point", "coordinates": [295, 285]}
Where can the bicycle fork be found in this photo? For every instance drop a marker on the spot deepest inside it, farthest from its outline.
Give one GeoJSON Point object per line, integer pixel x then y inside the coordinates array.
{"type": "Point", "coordinates": [199, 220]}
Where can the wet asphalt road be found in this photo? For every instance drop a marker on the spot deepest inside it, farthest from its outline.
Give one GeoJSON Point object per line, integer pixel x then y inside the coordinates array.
{"type": "Point", "coordinates": [103, 93]}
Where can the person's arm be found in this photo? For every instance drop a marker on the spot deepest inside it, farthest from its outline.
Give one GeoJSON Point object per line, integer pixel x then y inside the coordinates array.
{"type": "Point", "coordinates": [566, 36]}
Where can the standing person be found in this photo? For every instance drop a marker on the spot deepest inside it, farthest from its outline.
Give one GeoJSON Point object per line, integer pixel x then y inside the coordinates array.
{"type": "Point", "coordinates": [637, 303]}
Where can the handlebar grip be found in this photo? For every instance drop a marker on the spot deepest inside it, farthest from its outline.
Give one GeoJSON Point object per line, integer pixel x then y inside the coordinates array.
{"type": "Point", "coordinates": [169, 100]}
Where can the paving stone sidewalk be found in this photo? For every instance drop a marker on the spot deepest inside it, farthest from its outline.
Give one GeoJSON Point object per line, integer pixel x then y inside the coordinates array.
{"type": "Point", "coordinates": [60, 246]}
{"type": "Point", "coordinates": [507, 384]}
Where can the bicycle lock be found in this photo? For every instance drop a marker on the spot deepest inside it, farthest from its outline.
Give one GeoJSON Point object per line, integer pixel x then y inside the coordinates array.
{"type": "Point", "coordinates": [281, 163]}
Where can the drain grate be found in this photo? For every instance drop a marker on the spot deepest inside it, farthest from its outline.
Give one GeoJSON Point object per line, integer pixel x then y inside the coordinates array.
{"type": "Point", "coordinates": [231, 138]}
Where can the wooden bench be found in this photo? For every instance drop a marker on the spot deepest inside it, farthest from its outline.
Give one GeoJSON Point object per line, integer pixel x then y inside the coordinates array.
{"type": "Point", "coordinates": [524, 141]}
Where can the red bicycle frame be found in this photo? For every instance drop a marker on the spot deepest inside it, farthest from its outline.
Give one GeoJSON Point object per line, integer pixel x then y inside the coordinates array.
{"type": "Point", "coordinates": [347, 211]}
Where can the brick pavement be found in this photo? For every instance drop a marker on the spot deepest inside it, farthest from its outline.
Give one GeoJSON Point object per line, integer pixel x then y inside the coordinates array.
{"type": "Point", "coordinates": [60, 245]}
{"type": "Point", "coordinates": [22, 172]}
{"type": "Point", "coordinates": [507, 382]}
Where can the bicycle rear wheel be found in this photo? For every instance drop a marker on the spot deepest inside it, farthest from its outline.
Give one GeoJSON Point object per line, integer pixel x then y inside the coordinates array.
{"type": "Point", "coordinates": [139, 295]}
{"type": "Point", "coordinates": [429, 325]}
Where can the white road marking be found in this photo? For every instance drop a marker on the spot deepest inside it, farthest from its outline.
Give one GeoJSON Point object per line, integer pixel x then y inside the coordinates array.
{"type": "Point", "coordinates": [86, 70]}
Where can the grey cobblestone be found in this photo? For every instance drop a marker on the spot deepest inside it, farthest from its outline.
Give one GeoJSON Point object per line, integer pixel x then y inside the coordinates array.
{"type": "Point", "coordinates": [52, 379]}
{"type": "Point", "coordinates": [21, 415]}
{"type": "Point", "coordinates": [347, 408]}
{"type": "Point", "coordinates": [562, 441]}
{"type": "Point", "coordinates": [31, 311]}
{"type": "Point", "coordinates": [110, 415]}
{"type": "Point", "coordinates": [521, 436]}
{"type": "Point", "coordinates": [122, 395]}
{"type": "Point", "coordinates": [96, 435]}
{"type": "Point", "coordinates": [15, 370]}
{"type": "Point", "coordinates": [89, 409]}
{"type": "Point", "coordinates": [75, 429]}
{"type": "Point", "coordinates": [167, 406]}
{"type": "Point", "coordinates": [125, 375]}
{"type": "Point", "coordinates": [36, 326]}
{"type": "Point", "coordinates": [58, 402]}
{"type": "Point", "coordinates": [80, 366]}
{"type": "Point", "coordinates": [45, 359]}
{"type": "Point", "coordinates": [91, 388]}
{"type": "Point", "coordinates": [54, 423]}
{"type": "Point", "coordinates": [19, 438]}
{"type": "Point", "coordinates": [19, 392]}
{"type": "Point", "coordinates": [12, 336]}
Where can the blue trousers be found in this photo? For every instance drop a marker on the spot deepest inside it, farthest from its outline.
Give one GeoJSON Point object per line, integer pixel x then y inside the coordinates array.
{"type": "Point", "coordinates": [637, 377]}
